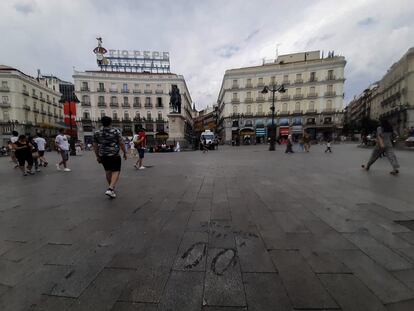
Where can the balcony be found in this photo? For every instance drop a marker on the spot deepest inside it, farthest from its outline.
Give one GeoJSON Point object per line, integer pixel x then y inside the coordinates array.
{"type": "Point", "coordinates": [36, 110]}
{"type": "Point", "coordinates": [283, 113]}
{"type": "Point", "coordinates": [298, 96]}
{"type": "Point", "coordinates": [124, 91]}
{"type": "Point", "coordinates": [50, 114]}
{"type": "Point", "coordinates": [113, 90]}
{"type": "Point", "coordinates": [285, 97]}
{"type": "Point", "coordinates": [126, 119]}
{"type": "Point", "coordinates": [159, 106]}
{"type": "Point", "coordinates": [25, 92]}
{"type": "Point", "coordinates": [26, 107]}
{"type": "Point", "coordinates": [260, 99]}
{"type": "Point", "coordinates": [35, 96]}
{"type": "Point", "coordinates": [43, 112]}
{"type": "Point", "coordinates": [148, 92]}
{"type": "Point", "coordinates": [48, 101]}
{"type": "Point", "coordinates": [330, 78]}
{"type": "Point", "coordinates": [329, 111]}
{"type": "Point", "coordinates": [55, 115]}
{"type": "Point", "coordinates": [297, 112]}
{"type": "Point", "coordinates": [102, 104]}
{"type": "Point", "coordinates": [114, 105]}
{"type": "Point", "coordinates": [249, 85]}
{"type": "Point", "coordinates": [234, 86]}
{"type": "Point", "coordinates": [159, 92]}
{"type": "Point", "coordinates": [100, 90]}
{"type": "Point", "coordinates": [4, 89]}
{"type": "Point", "coordinates": [260, 84]}
{"type": "Point", "coordinates": [313, 95]}
{"type": "Point", "coordinates": [148, 105]}
{"type": "Point", "coordinates": [248, 115]}
{"type": "Point", "coordinates": [42, 99]}
{"type": "Point", "coordinates": [136, 91]}
{"type": "Point", "coordinates": [311, 111]}
{"type": "Point", "coordinates": [86, 104]}
{"type": "Point", "coordinates": [286, 82]}
{"type": "Point", "coordinates": [330, 94]}
{"type": "Point", "coordinates": [248, 100]}
{"type": "Point", "coordinates": [235, 101]}
{"type": "Point", "coordinates": [84, 89]}
{"type": "Point", "coordinates": [311, 80]}
{"type": "Point", "coordinates": [126, 105]}
{"type": "Point", "coordinates": [5, 104]}
{"type": "Point", "coordinates": [298, 81]}
{"type": "Point", "coordinates": [137, 105]}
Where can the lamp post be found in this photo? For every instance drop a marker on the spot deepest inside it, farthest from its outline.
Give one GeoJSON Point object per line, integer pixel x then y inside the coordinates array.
{"type": "Point", "coordinates": [273, 88]}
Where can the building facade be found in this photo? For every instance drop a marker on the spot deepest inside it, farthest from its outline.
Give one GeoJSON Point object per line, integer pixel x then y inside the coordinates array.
{"type": "Point", "coordinates": [394, 97]}
{"type": "Point", "coordinates": [132, 100]}
{"type": "Point", "coordinates": [313, 101]}
{"type": "Point", "coordinates": [27, 105]}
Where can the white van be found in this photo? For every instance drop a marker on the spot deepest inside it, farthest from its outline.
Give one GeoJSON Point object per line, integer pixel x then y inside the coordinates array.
{"type": "Point", "coordinates": [209, 137]}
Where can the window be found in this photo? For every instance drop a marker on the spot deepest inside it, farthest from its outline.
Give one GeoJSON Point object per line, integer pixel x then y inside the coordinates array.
{"type": "Point", "coordinates": [86, 114]}
{"type": "Point", "coordinates": [125, 87]}
{"type": "Point", "coordinates": [312, 106]}
{"type": "Point", "coordinates": [102, 113]}
{"type": "Point", "coordinates": [53, 100]}
{"type": "Point", "coordinates": [329, 104]}
{"type": "Point", "coordinates": [312, 77]}
{"type": "Point", "coordinates": [6, 116]}
{"type": "Point", "coordinates": [159, 101]}
{"type": "Point", "coordinates": [235, 109]}
{"type": "Point", "coordinates": [137, 115]}
{"type": "Point", "coordinates": [42, 107]}
{"type": "Point", "coordinates": [234, 95]}
{"type": "Point", "coordinates": [4, 84]}
{"type": "Point", "coordinates": [286, 78]}
{"type": "Point", "coordinates": [235, 82]}
{"type": "Point", "coordinates": [114, 100]}
{"type": "Point", "coordinates": [330, 88]}
{"type": "Point", "coordinates": [260, 81]}
{"type": "Point", "coordinates": [312, 90]}
{"type": "Point", "coordinates": [330, 75]}
{"type": "Point", "coordinates": [24, 87]}
{"type": "Point", "coordinates": [260, 108]}
{"type": "Point", "coordinates": [84, 86]}
{"type": "Point", "coordinates": [149, 115]}
{"type": "Point", "coordinates": [5, 99]}
{"type": "Point", "coordinates": [249, 95]}
{"type": "Point", "coordinates": [273, 80]}
{"type": "Point", "coordinates": [249, 109]}
{"type": "Point", "coordinates": [249, 83]}
{"type": "Point", "coordinates": [101, 100]}
{"type": "Point", "coordinates": [85, 99]}
{"type": "Point", "coordinates": [101, 86]}
{"type": "Point", "coordinates": [147, 101]}
{"type": "Point", "coordinates": [298, 77]}
{"type": "Point", "coordinates": [26, 115]}
{"type": "Point", "coordinates": [41, 95]}
{"type": "Point", "coordinates": [284, 107]}
{"type": "Point", "coordinates": [297, 106]}
{"type": "Point", "coordinates": [34, 105]}
{"type": "Point", "coordinates": [298, 91]}
{"type": "Point", "coordinates": [126, 115]}
{"type": "Point", "coordinates": [159, 115]}
{"type": "Point", "coordinates": [137, 102]}
{"type": "Point", "coordinates": [33, 91]}
{"type": "Point", "coordinates": [113, 87]}
{"type": "Point", "coordinates": [114, 115]}
{"type": "Point", "coordinates": [125, 100]}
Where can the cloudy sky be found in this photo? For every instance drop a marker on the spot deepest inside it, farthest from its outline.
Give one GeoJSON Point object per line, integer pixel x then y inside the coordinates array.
{"type": "Point", "coordinates": [206, 37]}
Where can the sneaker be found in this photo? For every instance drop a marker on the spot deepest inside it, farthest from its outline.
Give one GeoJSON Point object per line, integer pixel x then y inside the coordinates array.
{"type": "Point", "coordinates": [37, 170]}
{"type": "Point", "coordinates": [142, 168]}
{"type": "Point", "coordinates": [110, 193]}
{"type": "Point", "coordinates": [24, 174]}
{"type": "Point", "coordinates": [30, 173]}
{"type": "Point", "coordinates": [58, 167]}
{"type": "Point", "coordinates": [67, 170]}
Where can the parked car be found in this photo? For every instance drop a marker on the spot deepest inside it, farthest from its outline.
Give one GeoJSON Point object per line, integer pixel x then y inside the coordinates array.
{"type": "Point", "coordinates": [409, 142]}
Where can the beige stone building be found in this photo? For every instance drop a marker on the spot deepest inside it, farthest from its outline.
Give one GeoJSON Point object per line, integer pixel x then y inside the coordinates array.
{"type": "Point", "coordinates": [394, 97]}
{"type": "Point", "coordinates": [132, 100]}
{"type": "Point", "coordinates": [27, 105]}
{"type": "Point", "coordinates": [313, 101]}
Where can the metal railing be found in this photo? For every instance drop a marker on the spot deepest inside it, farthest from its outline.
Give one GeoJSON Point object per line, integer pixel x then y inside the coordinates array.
{"type": "Point", "coordinates": [25, 92]}
{"type": "Point", "coordinates": [101, 104]}
{"type": "Point", "coordinates": [312, 95]}
{"type": "Point", "coordinates": [86, 104]}
{"type": "Point", "coordinates": [84, 89]}
{"type": "Point", "coordinates": [298, 96]}
{"type": "Point", "coordinates": [330, 94]}
{"type": "Point", "coordinates": [4, 89]}
{"type": "Point", "coordinates": [100, 90]}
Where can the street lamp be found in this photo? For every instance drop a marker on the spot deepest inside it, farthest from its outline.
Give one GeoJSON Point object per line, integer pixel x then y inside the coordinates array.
{"type": "Point", "coordinates": [273, 88]}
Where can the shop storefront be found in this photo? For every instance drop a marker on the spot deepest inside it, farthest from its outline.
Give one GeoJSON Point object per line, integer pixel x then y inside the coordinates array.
{"type": "Point", "coordinates": [260, 132]}
{"type": "Point", "coordinates": [248, 136]}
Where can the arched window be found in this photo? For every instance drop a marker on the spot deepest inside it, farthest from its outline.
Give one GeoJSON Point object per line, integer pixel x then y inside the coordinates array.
{"type": "Point", "coordinates": [159, 115]}
{"type": "Point", "coordinates": [284, 107]}
{"type": "Point", "coordinates": [260, 108]}
{"type": "Point", "coordinates": [312, 106]}
{"type": "Point", "coordinates": [297, 106]}
{"type": "Point", "coordinates": [86, 114]}
{"type": "Point", "coordinates": [329, 104]}
{"type": "Point", "coordinates": [114, 115]}
{"type": "Point", "coordinates": [149, 115]}
{"type": "Point", "coordinates": [249, 109]}
{"type": "Point", "coordinates": [85, 99]}
{"type": "Point", "coordinates": [126, 115]}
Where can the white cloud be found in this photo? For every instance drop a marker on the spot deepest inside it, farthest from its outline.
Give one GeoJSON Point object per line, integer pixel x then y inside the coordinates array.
{"type": "Point", "coordinates": [207, 37]}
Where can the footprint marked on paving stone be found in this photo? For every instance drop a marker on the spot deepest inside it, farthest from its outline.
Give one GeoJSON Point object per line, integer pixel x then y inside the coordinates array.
{"type": "Point", "coordinates": [194, 255]}
{"type": "Point", "coordinates": [223, 260]}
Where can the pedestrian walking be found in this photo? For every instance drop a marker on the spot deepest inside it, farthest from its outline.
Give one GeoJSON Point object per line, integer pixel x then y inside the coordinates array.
{"type": "Point", "coordinates": [140, 141]}
{"type": "Point", "coordinates": [306, 141]}
{"type": "Point", "coordinates": [204, 143]}
{"type": "Point", "coordinates": [23, 152]}
{"type": "Point", "coordinates": [384, 145]}
{"type": "Point", "coordinates": [62, 144]}
{"type": "Point", "coordinates": [35, 153]}
{"type": "Point", "coordinates": [13, 139]}
{"type": "Point", "coordinates": [328, 147]}
{"type": "Point", "coordinates": [289, 145]}
{"type": "Point", "coordinates": [301, 144]}
{"type": "Point", "coordinates": [107, 142]}
{"type": "Point", "coordinates": [41, 146]}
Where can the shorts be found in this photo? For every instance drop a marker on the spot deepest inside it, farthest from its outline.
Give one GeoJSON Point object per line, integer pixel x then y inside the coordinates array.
{"type": "Point", "coordinates": [141, 152]}
{"type": "Point", "coordinates": [41, 153]}
{"type": "Point", "coordinates": [65, 155]}
{"type": "Point", "coordinates": [111, 163]}
{"type": "Point", "coordinates": [22, 158]}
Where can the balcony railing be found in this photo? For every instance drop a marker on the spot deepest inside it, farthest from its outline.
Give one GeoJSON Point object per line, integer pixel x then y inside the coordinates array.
{"type": "Point", "coordinates": [286, 82]}
{"type": "Point", "coordinates": [137, 105]}
{"type": "Point", "coordinates": [84, 89]}
{"type": "Point", "coordinates": [113, 90]}
{"type": "Point", "coordinates": [298, 96]}
{"type": "Point", "coordinates": [43, 112]}
{"type": "Point", "coordinates": [248, 100]}
{"type": "Point", "coordinates": [313, 95]}
{"type": "Point", "coordinates": [126, 105]}
{"type": "Point", "coordinates": [235, 101]}
{"type": "Point", "coordinates": [136, 91]}
{"type": "Point", "coordinates": [50, 114]}
{"type": "Point", "coordinates": [147, 91]}
{"type": "Point", "coordinates": [114, 105]}
{"type": "Point", "coordinates": [283, 113]}
{"type": "Point", "coordinates": [86, 104]}
{"type": "Point", "coordinates": [249, 85]}
{"type": "Point", "coordinates": [298, 81]}
{"type": "Point", "coordinates": [55, 115]}
{"type": "Point", "coordinates": [297, 112]}
{"type": "Point", "coordinates": [4, 89]}
{"type": "Point", "coordinates": [48, 101]}
{"type": "Point", "coordinates": [124, 91]}
{"type": "Point", "coordinates": [159, 106]}
{"type": "Point", "coordinates": [25, 92]}
{"type": "Point", "coordinates": [102, 104]}
{"type": "Point", "coordinates": [285, 97]}
{"type": "Point", "coordinates": [313, 79]}
{"type": "Point", "coordinates": [311, 111]}
{"type": "Point", "coordinates": [26, 107]}
{"type": "Point", "coordinates": [260, 84]}
{"type": "Point", "coordinates": [330, 78]}
{"type": "Point", "coordinates": [235, 86]}
{"type": "Point", "coordinates": [100, 90]}
{"type": "Point", "coordinates": [35, 96]}
{"type": "Point", "coordinates": [260, 99]}
{"type": "Point", "coordinates": [148, 105]}
{"type": "Point", "coordinates": [330, 94]}
{"type": "Point", "coordinates": [36, 110]}
{"type": "Point", "coordinates": [5, 104]}
{"type": "Point", "coordinates": [329, 110]}
{"type": "Point", "coordinates": [42, 99]}
{"type": "Point", "coordinates": [159, 92]}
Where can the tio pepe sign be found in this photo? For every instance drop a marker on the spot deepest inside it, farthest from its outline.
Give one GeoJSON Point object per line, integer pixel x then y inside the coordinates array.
{"type": "Point", "coordinates": [139, 54]}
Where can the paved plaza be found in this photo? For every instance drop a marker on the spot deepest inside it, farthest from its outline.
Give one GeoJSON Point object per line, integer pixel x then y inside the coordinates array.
{"type": "Point", "coordinates": [240, 228]}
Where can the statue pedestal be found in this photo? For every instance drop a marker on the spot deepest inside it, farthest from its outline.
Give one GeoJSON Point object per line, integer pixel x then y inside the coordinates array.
{"type": "Point", "coordinates": [176, 129]}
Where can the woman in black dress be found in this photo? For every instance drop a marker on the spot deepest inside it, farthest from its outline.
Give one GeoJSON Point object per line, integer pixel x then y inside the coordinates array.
{"type": "Point", "coordinates": [23, 152]}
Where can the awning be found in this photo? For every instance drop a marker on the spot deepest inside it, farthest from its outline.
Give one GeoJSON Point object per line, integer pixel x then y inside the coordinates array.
{"type": "Point", "coordinates": [161, 135]}
{"type": "Point", "coordinates": [247, 131]}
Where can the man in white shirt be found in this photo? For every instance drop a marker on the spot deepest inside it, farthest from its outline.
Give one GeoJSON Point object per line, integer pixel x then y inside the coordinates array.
{"type": "Point", "coordinates": [13, 139]}
{"type": "Point", "coordinates": [41, 145]}
{"type": "Point", "coordinates": [62, 144]}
